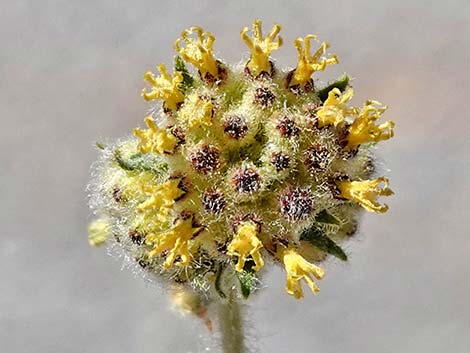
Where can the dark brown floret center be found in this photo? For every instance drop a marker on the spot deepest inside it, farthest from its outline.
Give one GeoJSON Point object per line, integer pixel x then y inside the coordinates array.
{"type": "Point", "coordinates": [287, 127]}
{"type": "Point", "coordinates": [264, 97]}
{"type": "Point", "coordinates": [235, 127]}
{"type": "Point", "coordinates": [136, 237]}
{"type": "Point", "coordinates": [296, 204]}
{"type": "Point", "coordinates": [214, 201]}
{"type": "Point", "coordinates": [317, 158]}
{"type": "Point", "coordinates": [179, 133]}
{"type": "Point", "coordinates": [246, 180]}
{"type": "Point", "coordinates": [205, 160]}
{"type": "Point", "coordinates": [117, 194]}
{"type": "Point", "coordinates": [280, 161]}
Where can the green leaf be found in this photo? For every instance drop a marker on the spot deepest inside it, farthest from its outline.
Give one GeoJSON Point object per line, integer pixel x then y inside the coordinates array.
{"type": "Point", "coordinates": [318, 238]}
{"type": "Point", "coordinates": [140, 162]}
{"type": "Point", "coordinates": [100, 145]}
{"type": "Point", "coordinates": [247, 283]}
{"type": "Point", "coordinates": [179, 64]}
{"type": "Point", "coordinates": [342, 83]}
{"type": "Point", "coordinates": [326, 217]}
{"type": "Point", "coordinates": [188, 80]}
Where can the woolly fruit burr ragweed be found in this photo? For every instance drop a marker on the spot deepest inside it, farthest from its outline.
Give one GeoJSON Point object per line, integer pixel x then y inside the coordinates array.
{"type": "Point", "coordinates": [239, 167]}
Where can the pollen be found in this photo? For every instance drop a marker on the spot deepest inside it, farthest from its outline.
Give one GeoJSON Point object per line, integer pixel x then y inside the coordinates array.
{"type": "Point", "coordinates": [334, 110]}
{"type": "Point", "coordinates": [366, 192]}
{"type": "Point", "coordinates": [363, 129]}
{"type": "Point", "coordinates": [197, 50]}
{"type": "Point", "coordinates": [307, 64]}
{"type": "Point", "coordinates": [261, 47]}
{"type": "Point", "coordinates": [174, 241]}
{"type": "Point", "coordinates": [154, 139]}
{"type": "Point", "coordinates": [246, 244]}
{"type": "Point", "coordinates": [298, 268]}
{"type": "Point", "coordinates": [164, 87]}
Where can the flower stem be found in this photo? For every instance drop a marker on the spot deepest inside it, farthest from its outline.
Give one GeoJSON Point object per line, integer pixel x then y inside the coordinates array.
{"type": "Point", "coordinates": [230, 326]}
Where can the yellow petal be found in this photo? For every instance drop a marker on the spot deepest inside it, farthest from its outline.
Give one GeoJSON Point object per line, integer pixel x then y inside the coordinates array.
{"type": "Point", "coordinates": [175, 241]}
{"type": "Point", "coordinates": [261, 47]}
{"type": "Point", "coordinates": [164, 87]}
{"type": "Point", "coordinates": [196, 111]}
{"type": "Point", "coordinates": [298, 268]}
{"type": "Point", "coordinates": [155, 139]}
{"type": "Point", "coordinates": [307, 64]}
{"type": "Point", "coordinates": [363, 129]}
{"type": "Point", "coordinates": [334, 110]}
{"type": "Point", "coordinates": [198, 50]}
{"type": "Point", "coordinates": [366, 192]}
{"type": "Point", "coordinates": [245, 244]}
{"type": "Point", "coordinates": [161, 197]}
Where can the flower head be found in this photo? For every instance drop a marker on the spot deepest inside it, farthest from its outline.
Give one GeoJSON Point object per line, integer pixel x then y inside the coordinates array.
{"type": "Point", "coordinates": [240, 166]}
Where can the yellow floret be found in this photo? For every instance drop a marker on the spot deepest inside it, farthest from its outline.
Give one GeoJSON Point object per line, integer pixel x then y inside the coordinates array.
{"type": "Point", "coordinates": [162, 197]}
{"type": "Point", "coordinates": [164, 87]}
{"type": "Point", "coordinates": [154, 139]}
{"type": "Point", "coordinates": [298, 268]}
{"type": "Point", "coordinates": [366, 192]}
{"type": "Point", "coordinates": [244, 244]}
{"type": "Point", "coordinates": [307, 64]}
{"type": "Point", "coordinates": [363, 129]}
{"type": "Point", "coordinates": [175, 241]}
{"type": "Point", "coordinates": [198, 50]}
{"type": "Point", "coordinates": [196, 111]}
{"type": "Point", "coordinates": [98, 232]}
{"type": "Point", "coordinates": [261, 47]}
{"type": "Point", "coordinates": [189, 302]}
{"type": "Point", "coordinates": [334, 110]}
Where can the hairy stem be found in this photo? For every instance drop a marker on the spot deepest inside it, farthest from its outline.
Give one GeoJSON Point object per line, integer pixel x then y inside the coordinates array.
{"type": "Point", "coordinates": [230, 325]}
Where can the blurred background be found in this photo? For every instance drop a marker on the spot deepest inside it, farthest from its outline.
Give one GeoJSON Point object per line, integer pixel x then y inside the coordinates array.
{"type": "Point", "coordinates": [71, 74]}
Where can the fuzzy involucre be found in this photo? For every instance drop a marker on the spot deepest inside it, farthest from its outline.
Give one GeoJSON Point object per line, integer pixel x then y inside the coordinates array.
{"type": "Point", "coordinates": [239, 167]}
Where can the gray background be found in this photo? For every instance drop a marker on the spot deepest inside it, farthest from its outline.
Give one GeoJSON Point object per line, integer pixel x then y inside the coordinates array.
{"type": "Point", "coordinates": [71, 74]}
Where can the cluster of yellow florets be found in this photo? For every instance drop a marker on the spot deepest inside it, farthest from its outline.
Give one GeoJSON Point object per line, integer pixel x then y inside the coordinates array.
{"type": "Point", "coordinates": [242, 166]}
